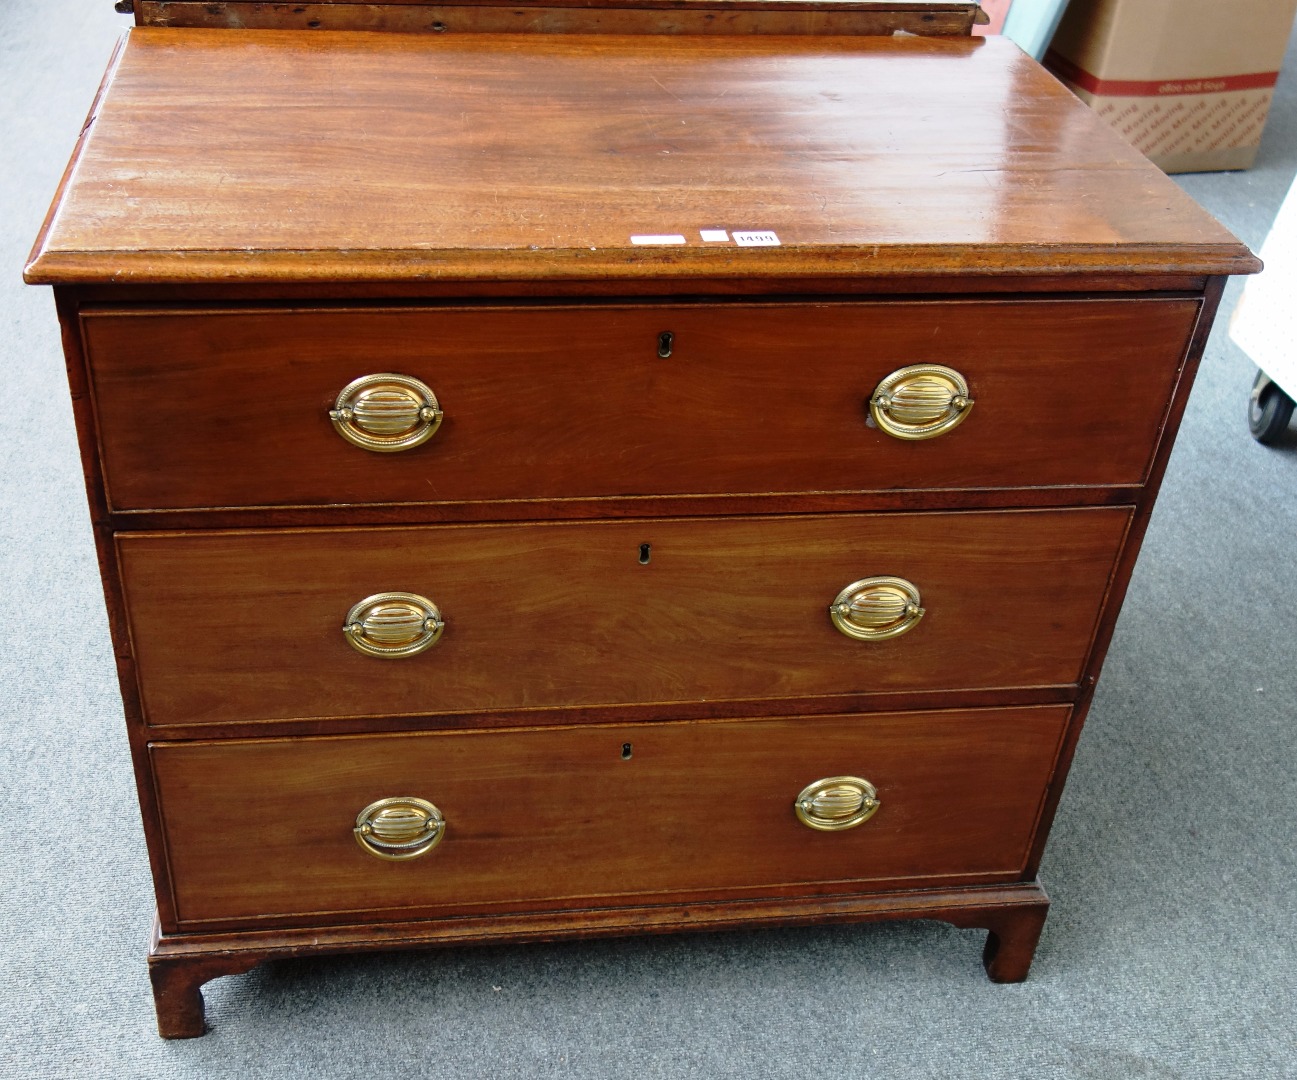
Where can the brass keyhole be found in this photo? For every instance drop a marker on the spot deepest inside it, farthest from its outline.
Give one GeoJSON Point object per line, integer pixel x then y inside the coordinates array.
{"type": "Point", "coordinates": [645, 553]}
{"type": "Point", "coordinates": [665, 340]}
{"type": "Point", "coordinates": [625, 751]}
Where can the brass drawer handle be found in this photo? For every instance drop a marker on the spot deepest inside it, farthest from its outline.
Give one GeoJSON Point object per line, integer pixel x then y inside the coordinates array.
{"type": "Point", "coordinates": [877, 608]}
{"type": "Point", "coordinates": [836, 803]}
{"type": "Point", "coordinates": [399, 828]}
{"type": "Point", "coordinates": [386, 413]}
{"type": "Point", "coordinates": [920, 402]}
{"type": "Point", "coordinates": [393, 624]}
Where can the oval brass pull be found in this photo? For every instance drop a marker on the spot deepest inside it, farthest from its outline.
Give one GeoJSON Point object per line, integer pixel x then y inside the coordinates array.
{"type": "Point", "coordinates": [386, 413]}
{"type": "Point", "coordinates": [393, 624]}
{"type": "Point", "coordinates": [920, 402]}
{"type": "Point", "coordinates": [877, 608]}
{"type": "Point", "coordinates": [836, 803]}
{"type": "Point", "coordinates": [400, 828]}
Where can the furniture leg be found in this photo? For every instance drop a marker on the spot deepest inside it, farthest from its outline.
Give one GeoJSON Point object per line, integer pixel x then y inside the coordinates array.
{"type": "Point", "coordinates": [1011, 943]}
{"type": "Point", "coordinates": [178, 994]}
{"type": "Point", "coordinates": [1013, 931]}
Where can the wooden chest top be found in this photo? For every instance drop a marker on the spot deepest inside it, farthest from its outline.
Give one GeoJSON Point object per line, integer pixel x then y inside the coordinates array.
{"type": "Point", "coordinates": [286, 156]}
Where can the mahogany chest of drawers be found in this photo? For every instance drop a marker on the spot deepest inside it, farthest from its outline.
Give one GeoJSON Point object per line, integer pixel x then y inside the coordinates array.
{"type": "Point", "coordinates": [567, 485]}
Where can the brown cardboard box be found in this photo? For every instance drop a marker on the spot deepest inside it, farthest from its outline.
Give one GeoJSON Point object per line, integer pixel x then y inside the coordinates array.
{"type": "Point", "coordinates": [1188, 82]}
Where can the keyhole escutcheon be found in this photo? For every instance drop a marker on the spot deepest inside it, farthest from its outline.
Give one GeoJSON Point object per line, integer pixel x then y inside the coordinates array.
{"type": "Point", "coordinates": [666, 340]}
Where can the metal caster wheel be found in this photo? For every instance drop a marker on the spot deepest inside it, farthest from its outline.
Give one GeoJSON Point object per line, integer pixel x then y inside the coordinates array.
{"type": "Point", "coordinates": [1268, 411]}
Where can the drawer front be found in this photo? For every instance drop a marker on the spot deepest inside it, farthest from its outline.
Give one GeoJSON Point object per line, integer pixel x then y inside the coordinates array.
{"type": "Point", "coordinates": [232, 409]}
{"type": "Point", "coordinates": [247, 626]}
{"type": "Point", "coordinates": [547, 817]}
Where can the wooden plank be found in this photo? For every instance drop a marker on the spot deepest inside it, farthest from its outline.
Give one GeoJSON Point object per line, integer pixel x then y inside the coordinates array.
{"type": "Point", "coordinates": [179, 964]}
{"type": "Point", "coordinates": [754, 399]}
{"type": "Point", "coordinates": [220, 156]}
{"type": "Point", "coordinates": [575, 16]}
{"type": "Point", "coordinates": [261, 830]}
{"type": "Point", "coordinates": [559, 615]}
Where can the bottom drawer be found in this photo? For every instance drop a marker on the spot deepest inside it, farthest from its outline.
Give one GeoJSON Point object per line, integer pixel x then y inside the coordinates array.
{"type": "Point", "coordinates": [556, 817]}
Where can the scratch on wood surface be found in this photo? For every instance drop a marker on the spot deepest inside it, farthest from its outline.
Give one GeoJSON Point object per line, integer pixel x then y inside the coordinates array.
{"type": "Point", "coordinates": [665, 90]}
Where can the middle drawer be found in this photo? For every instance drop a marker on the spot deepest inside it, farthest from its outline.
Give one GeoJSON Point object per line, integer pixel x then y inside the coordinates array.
{"type": "Point", "coordinates": [246, 626]}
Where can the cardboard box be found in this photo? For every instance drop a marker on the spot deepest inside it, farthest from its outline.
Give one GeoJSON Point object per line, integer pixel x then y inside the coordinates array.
{"type": "Point", "coordinates": [1188, 82]}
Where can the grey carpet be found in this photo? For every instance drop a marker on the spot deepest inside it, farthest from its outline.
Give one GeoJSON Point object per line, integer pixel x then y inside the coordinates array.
{"type": "Point", "coordinates": [1171, 950]}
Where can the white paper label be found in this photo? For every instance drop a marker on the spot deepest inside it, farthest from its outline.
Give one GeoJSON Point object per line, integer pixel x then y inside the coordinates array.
{"type": "Point", "coordinates": [714, 235]}
{"type": "Point", "coordinates": [756, 239]}
{"type": "Point", "coordinates": [664, 238]}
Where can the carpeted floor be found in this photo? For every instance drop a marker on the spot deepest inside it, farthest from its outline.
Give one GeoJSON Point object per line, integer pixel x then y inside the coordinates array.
{"type": "Point", "coordinates": [1171, 950]}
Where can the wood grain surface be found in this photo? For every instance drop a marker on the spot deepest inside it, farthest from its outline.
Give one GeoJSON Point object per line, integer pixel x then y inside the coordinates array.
{"type": "Point", "coordinates": [569, 402]}
{"type": "Point", "coordinates": [248, 626]}
{"type": "Point", "coordinates": [572, 16]}
{"type": "Point", "coordinates": [292, 156]}
{"type": "Point", "coordinates": [263, 829]}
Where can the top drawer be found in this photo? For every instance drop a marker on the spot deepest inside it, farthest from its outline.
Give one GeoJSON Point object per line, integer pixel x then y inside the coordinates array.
{"type": "Point", "coordinates": [229, 408]}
